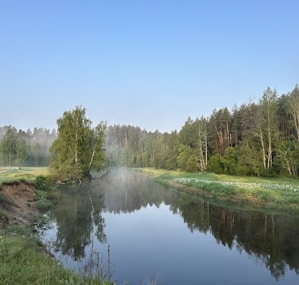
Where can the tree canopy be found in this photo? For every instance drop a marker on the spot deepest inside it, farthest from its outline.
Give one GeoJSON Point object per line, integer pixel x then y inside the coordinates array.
{"type": "Point", "coordinates": [256, 138]}
{"type": "Point", "coordinates": [19, 148]}
{"type": "Point", "coordinates": [78, 148]}
{"type": "Point", "coordinates": [253, 139]}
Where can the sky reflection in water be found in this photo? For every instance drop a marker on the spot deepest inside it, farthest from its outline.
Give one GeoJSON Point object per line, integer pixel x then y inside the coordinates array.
{"type": "Point", "coordinates": [156, 233]}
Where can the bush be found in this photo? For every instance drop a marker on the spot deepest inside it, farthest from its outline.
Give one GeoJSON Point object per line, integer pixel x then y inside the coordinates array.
{"type": "Point", "coordinates": [41, 182]}
{"type": "Point", "coordinates": [44, 204]}
{"type": "Point", "coordinates": [216, 164]}
{"type": "Point", "coordinates": [46, 194]}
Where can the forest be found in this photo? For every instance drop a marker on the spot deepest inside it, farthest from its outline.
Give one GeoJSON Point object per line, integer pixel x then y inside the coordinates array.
{"type": "Point", "coordinates": [25, 148]}
{"type": "Point", "coordinates": [255, 139]}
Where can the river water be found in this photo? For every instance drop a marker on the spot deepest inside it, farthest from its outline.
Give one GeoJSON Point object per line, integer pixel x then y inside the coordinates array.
{"type": "Point", "coordinates": [134, 231]}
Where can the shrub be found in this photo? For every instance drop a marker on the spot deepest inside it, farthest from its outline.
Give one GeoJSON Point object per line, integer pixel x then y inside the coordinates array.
{"type": "Point", "coordinates": [44, 204]}
{"type": "Point", "coordinates": [41, 182]}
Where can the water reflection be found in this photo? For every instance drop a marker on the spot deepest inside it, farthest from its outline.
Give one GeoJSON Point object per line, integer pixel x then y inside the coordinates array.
{"type": "Point", "coordinates": [77, 217]}
{"type": "Point", "coordinates": [269, 238]}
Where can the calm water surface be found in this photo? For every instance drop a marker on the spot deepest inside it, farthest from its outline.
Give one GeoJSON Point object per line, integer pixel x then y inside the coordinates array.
{"type": "Point", "coordinates": [139, 232]}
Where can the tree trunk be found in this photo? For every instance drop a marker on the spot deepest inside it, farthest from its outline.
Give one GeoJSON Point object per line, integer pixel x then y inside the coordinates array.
{"type": "Point", "coordinates": [263, 149]}
{"type": "Point", "coordinates": [91, 159]}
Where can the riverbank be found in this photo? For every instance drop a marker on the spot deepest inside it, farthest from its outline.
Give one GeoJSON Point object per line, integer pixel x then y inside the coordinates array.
{"type": "Point", "coordinates": [24, 195]}
{"type": "Point", "coordinates": [279, 194]}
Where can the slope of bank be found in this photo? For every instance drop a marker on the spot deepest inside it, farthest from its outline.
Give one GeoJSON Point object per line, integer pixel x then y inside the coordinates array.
{"type": "Point", "coordinates": [23, 259]}
{"type": "Point", "coordinates": [18, 202]}
{"type": "Point", "coordinates": [278, 194]}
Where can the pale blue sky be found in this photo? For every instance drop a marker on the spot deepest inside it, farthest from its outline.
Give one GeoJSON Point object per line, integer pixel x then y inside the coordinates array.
{"type": "Point", "coordinates": [146, 63]}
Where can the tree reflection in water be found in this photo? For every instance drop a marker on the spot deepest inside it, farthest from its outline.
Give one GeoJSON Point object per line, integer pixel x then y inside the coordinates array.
{"type": "Point", "coordinates": [267, 237]}
{"type": "Point", "coordinates": [77, 216]}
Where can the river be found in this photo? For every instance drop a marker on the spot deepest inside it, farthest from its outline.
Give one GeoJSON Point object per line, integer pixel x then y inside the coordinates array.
{"type": "Point", "coordinates": [134, 231]}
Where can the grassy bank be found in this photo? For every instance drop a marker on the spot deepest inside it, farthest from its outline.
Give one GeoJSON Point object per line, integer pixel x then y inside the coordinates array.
{"type": "Point", "coordinates": [280, 194]}
{"type": "Point", "coordinates": [23, 260]}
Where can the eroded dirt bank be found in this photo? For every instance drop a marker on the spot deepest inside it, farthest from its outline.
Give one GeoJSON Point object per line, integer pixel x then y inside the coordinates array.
{"type": "Point", "coordinates": [18, 200]}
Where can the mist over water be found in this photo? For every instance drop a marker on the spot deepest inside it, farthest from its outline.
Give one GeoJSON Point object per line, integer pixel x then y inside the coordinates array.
{"type": "Point", "coordinates": [154, 233]}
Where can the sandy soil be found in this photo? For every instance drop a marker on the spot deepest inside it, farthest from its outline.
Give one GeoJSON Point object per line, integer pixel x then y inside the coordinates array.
{"type": "Point", "coordinates": [19, 202]}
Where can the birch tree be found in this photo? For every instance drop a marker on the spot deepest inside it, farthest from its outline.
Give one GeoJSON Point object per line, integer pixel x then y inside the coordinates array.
{"type": "Point", "coordinates": [294, 109]}
{"type": "Point", "coordinates": [78, 148]}
{"type": "Point", "coordinates": [267, 127]}
{"type": "Point", "coordinates": [202, 144]}
{"type": "Point", "coordinates": [97, 156]}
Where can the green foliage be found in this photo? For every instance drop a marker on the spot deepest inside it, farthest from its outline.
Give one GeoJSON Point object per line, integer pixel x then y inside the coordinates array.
{"type": "Point", "coordinates": [78, 148]}
{"type": "Point", "coordinates": [216, 164]}
{"type": "Point", "coordinates": [46, 193]}
{"type": "Point", "coordinates": [188, 134]}
{"type": "Point", "coordinates": [186, 158]}
{"type": "Point", "coordinates": [230, 161]}
{"type": "Point", "coordinates": [12, 148]}
{"type": "Point", "coordinates": [19, 148]}
{"type": "Point", "coordinates": [44, 204]}
{"type": "Point", "coordinates": [249, 159]}
{"type": "Point", "coordinates": [288, 153]}
{"type": "Point", "coordinates": [47, 198]}
{"type": "Point", "coordinates": [41, 182]}
{"type": "Point", "coordinates": [219, 134]}
{"type": "Point", "coordinates": [255, 139]}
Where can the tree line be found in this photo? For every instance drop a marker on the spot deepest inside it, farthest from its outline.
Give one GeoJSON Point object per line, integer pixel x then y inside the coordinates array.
{"type": "Point", "coordinates": [257, 138]}
{"type": "Point", "coordinates": [30, 148]}
{"type": "Point", "coordinates": [72, 152]}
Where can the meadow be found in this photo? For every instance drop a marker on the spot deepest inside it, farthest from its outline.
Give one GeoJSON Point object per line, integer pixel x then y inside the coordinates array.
{"type": "Point", "coordinates": [281, 194]}
{"type": "Point", "coordinates": [8, 174]}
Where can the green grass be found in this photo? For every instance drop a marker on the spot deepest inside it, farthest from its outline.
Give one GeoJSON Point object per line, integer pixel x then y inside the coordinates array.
{"type": "Point", "coordinates": [22, 259]}
{"type": "Point", "coordinates": [27, 173]}
{"type": "Point", "coordinates": [272, 193]}
{"type": "Point", "coordinates": [22, 262]}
